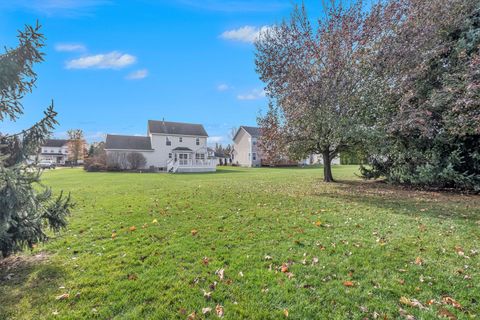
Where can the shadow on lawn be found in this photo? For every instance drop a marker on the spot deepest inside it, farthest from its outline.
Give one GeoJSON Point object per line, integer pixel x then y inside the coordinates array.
{"type": "Point", "coordinates": [441, 204]}
{"type": "Point", "coordinates": [32, 274]}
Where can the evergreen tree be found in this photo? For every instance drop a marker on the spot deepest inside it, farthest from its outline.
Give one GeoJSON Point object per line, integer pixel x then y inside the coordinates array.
{"type": "Point", "coordinates": [26, 205]}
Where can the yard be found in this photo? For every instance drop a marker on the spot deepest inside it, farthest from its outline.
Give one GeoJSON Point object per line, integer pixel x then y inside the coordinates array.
{"type": "Point", "coordinates": [257, 243]}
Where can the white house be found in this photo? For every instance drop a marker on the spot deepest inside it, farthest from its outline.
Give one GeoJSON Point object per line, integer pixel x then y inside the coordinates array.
{"type": "Point", "coordinates": [170, 146]}
{"type": "Point", "coordinates": [245, 151]}
{"type": "Point", "coordinates": [55, 150]}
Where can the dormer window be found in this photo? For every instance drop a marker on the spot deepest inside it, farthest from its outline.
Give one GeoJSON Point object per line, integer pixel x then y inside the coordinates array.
{"type": "Point", "coordinates": [197, 141]}
{"type": "Point", "coordinates": [169, 143]}
{"type": "Point", "coordinates": [180, 139]}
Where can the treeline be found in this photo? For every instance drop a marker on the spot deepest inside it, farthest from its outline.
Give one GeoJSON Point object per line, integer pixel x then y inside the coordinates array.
{"type": "Point", "coordinates": [399, 83]}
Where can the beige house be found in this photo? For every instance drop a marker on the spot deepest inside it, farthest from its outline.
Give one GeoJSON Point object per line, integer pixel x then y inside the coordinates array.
{"type": "Point", "coordinates": [168, 146]}
{"type": "Point", "coordinates": [245, 151]}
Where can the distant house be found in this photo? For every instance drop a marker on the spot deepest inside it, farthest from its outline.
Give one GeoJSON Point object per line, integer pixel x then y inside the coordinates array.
{"type": "Point", "coordinates": [220, 157]}
{"type": "Point", "coordinates": [169, 146]}
{"type": "Point", "coordinates": [55, 150]}
{"type": "Point", "coordinates": [245, 151]}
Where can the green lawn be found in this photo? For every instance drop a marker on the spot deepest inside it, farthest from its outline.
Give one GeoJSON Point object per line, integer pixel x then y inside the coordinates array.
{"type": "Point", "coordinates": [374, 245]}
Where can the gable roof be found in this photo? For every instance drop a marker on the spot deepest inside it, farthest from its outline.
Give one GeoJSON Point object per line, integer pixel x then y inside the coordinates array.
{"type": "Point", "coordinates": [255, 132]}
{"type": "Point", "coordinates": [128, 142]}
{"type": "Point", "coordinates": [56, 143]}
{"type": "Point", "coordinates": [176, 128]}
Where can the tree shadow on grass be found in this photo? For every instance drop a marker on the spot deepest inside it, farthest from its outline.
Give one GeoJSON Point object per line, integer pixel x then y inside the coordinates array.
{"type": "Point", "coordinates": [435, 204]}
{"type": "Point", "coordinates": [26, 277]}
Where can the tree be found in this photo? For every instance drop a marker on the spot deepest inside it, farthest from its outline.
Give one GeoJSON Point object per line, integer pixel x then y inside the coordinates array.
{"type": "Point", "coordinates": [26, 205]}
{"type": "Point", "coordinates": [136, 160]}
{"type": "Point", "coordinates": [425, 91]}
{"type": "Point", "coordinates": [76, 145]}
{"type": "Point", "coordinates": [312, 76]}
{"type": "Point", "coordinates": [272, 142]}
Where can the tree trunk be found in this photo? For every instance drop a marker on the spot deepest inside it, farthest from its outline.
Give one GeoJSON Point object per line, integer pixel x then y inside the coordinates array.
{"type": "Point", "coordinates": [327, 167]}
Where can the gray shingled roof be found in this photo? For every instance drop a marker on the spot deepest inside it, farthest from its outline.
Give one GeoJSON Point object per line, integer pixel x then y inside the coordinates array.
{"type": "Point", "coordinates": [56, 143]}
{"type": "Point", "coordinates": [255, 132]}
{"type": "Point", "coordinates": [128, 142]}
{"type": "Point", "coordinates": [176, 128]}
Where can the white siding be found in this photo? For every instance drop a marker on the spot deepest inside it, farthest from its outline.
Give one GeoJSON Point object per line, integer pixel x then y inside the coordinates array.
{"type": "Point", "coordinates": [159, 144]}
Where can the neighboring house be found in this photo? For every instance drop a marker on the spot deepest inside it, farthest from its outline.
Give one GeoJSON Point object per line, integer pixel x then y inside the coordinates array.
{"type": "Point", "coordinates": [318, 159]}
{"type": "Point", "coordinates": [245, 151]}
{"type": "Point", "coordinates": [220, 157]}
{"type": "Point", "coordinates": [55, 150]}
{"type": "Point", "coordinates": [170, 146]}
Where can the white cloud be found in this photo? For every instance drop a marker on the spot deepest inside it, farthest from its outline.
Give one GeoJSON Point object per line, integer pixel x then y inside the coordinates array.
{"type": "Point", "coordinates": [111, 60]}
{"type": "Point", "coordinates": [223, 87]}
{"type": "Point", "coordinates": [245, 34]}
{"type": "Point", "coordinates": [255, 94]}
{"type": "Point", "coordinates": [137, 75]}
{"type": "Point", "coordinates": [68, 47]}
{"type": "Point", "coordinates": [216, 139]}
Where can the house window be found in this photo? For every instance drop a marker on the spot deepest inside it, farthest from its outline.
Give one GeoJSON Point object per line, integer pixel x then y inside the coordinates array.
{"type": "Point", "coordinates": [197, 141]}
{"type": "Point", "coordinates": [200, 156]}
{"type": "Point", "coordinates": [254, 142]}
{"type": "Point", "coordinates": [169, 156]}
{"type": "Point", "coordinates": [180, 139]}
{"type": "Point", "coordinates": [169, 143]}
{"type": "Point", "coordinates": [254, 156]}
{"type": "Point", "coordinates": [52, 151]}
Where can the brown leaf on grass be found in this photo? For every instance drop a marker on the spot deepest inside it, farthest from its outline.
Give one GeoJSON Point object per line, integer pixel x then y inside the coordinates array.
{"type": "Point", "coordinates": [348, 283]}
{"type": "Point", "coordinates": [452, 302]}
{"type": "Point", "coordinates": [318, 223]}
{"type": "Point", "coordinates": [220, 273]}
{"type": "Point", "coordinates": [459, 251]}
{"type": "Point", "coordinates": [205, 261]}
{"type": "Point", "coordinates": [411, 302]}
{"type": "Point", "coordinates": [194, 232]}
{"type": "Point", "coordinates": [64, 296]}
{"type": "Point", "coordinates": [132, 276]}
{"type": "Point", "coordinates": [192, 316]}
{"type": "Point", "coordinates": [206, 310]}
{"type": "Point", "coordinates": [418, 261]}
{"type": "Point", "coordinates": [285, 313]}
{"type": "Point", "coordinates": [284, 268]}
{"type": "Point", "coordinates": [219, 310]}
{"type": "Point", "coordinates": [132, 228]}
{"type": "Point", "coordinates": [444, 313]}
{"type": "Point", "coordinates": [114, 235]}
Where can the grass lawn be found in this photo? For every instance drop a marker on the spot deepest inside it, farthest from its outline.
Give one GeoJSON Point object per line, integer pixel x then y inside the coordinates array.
{"type": "Point", "coordinates": [287, 243]}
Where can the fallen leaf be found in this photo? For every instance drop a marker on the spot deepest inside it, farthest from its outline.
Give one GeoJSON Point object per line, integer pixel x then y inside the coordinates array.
{"type": "Point", "coordinates": [315, 260]}
{"type": "Point", "coordinates": [132, 276]}
{"type": "Point", "coordinates": [348, 283]}
{"type": "Point", "coordinates": [194, 232]}
{"type": "Point", "coordinates": [220, 273]}
{"type": "Point", "coordinates": [219, 310]}
{"type": "Point", "coordinates": [114, 235]}
{"type": "Point", "coordinates": [452, 302]}
{"type": "Point", "coordinates": [64, 296]}
{"type": "Point", "coordinates": [206, 310]}
{"type": "Point", "coordinates": [444, 313]}
{"type": "Point", "coordinates": [419, 261]}
{"type": "Point", "coordinates": [459, 251]}
{"type": "Point", "coordinates": [192, 316]}
{"type": "Point", "coordinates": [411, 302]}
{"type": "Point", "coordinates": [240, 274]}
{"type": "Point", "coordinates": [267, 257]}
{"type": "Point", "coordinates": [132, 228]}
{"type": "Point", "coordinates": [154, 221]}
{"type": "Point", "coordinates": [207, 295]}
{"type": "Point", "coordinates": [285, 312]}
{"type": "Point", "coordinates": [205, 261]}
{"type": "Point", "coordinates": [318, 223]}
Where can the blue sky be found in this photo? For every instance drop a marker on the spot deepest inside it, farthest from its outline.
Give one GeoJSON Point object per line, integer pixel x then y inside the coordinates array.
{"type": "Point", "coordinates": [112, 65]}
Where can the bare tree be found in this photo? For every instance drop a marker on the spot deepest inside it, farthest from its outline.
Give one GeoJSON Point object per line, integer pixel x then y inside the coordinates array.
{"type": "Point", "coordinates": [136, 160]}
{"type": "Point", "coordinates": [76, 145]}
